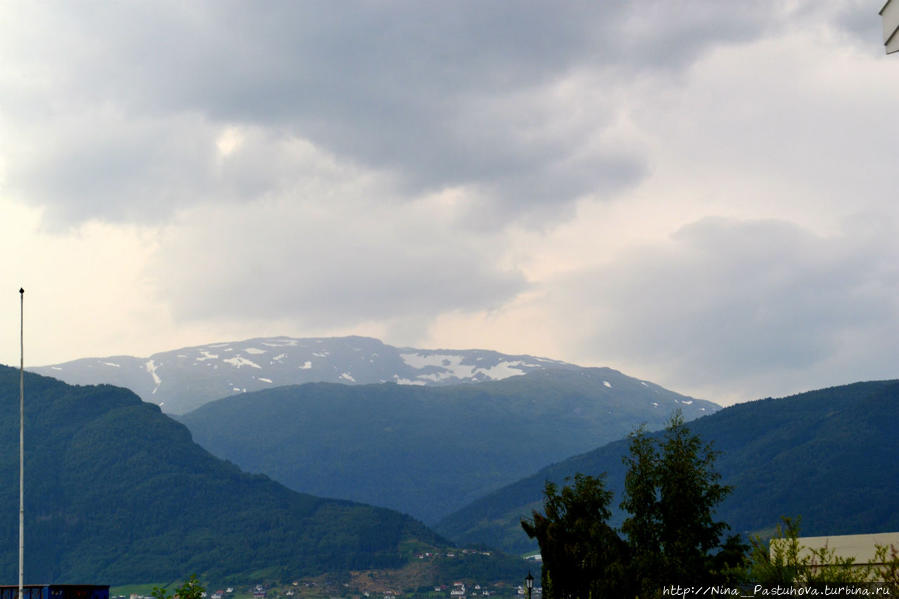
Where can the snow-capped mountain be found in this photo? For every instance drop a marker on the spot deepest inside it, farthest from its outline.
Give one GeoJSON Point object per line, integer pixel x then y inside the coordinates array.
{"type": "Point", "coordinates": [184, 379]}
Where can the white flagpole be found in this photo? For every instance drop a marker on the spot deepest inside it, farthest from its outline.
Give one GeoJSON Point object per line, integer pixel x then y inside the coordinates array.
{"type": "Point", "coordinates": [21, 441]}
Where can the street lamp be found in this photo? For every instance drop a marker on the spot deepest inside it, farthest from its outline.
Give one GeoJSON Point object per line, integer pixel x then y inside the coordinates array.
{"type": "Point", "coordinates": [529, 583]}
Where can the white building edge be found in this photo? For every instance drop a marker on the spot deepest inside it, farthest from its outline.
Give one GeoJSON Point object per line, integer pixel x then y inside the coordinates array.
{"type": "Point", "coordinates": [890, 16]}
{"type": "Point", "coordinates": [861, 548]}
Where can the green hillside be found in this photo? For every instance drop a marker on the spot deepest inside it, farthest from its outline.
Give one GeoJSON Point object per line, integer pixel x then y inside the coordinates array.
{"type": "Point", "coordinates": [428, 451]}
{"type": "Point", "coordinates": [116, 492]}
{"type": "Point", "coordinates": [831, 456]}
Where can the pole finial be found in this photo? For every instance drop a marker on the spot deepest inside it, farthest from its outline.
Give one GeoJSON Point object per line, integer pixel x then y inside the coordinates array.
{"type": "Point", "coordinates": [21, 290]}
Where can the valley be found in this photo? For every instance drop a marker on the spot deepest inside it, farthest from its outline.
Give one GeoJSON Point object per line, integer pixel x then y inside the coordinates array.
{"type": "Point", "coordinates": [312, 299]}
{"type": "Point", "coordinates": [468, 458]}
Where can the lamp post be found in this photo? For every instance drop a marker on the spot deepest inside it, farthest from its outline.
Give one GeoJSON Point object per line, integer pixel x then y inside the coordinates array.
{"type": "Point", "coordinates": [21, 441]}
{"type": "Point", "coordinates": [529, 583]}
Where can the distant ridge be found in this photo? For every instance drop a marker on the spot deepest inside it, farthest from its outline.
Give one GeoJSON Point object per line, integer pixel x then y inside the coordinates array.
{"type": "Point", "coordinates": [117, 492]}
{"type": "Point", "coordinates": [830, 456]}
{"type": "Point", "coordinates": [428, 450]}
{"type": "Point", "coordinates": [184, 379]}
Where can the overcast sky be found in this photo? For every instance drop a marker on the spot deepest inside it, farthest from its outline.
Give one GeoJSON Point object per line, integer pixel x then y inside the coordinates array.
{"type": "Point", "coordinates": [698, 193]}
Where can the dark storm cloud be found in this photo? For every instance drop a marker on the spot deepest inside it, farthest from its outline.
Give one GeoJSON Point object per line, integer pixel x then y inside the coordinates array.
{"type": "Point", "coordinates": [440, 95]}
{"type": "Point", "coordinates": [746, 302]}
{"type": "Point", "coordinates": [859, 18]}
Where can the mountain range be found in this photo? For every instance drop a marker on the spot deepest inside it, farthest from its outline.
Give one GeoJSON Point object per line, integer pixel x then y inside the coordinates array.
{"type": "Point", "coordinates": [184, 379]}
{"type": "Point", "coordinates": [116, 491]}
{"type": "Point", "coordinates": [429, 450]}
{"type": "Point", "coordinates": [121, 484]}
{"type": "Point", "coordinates": [828, 456]}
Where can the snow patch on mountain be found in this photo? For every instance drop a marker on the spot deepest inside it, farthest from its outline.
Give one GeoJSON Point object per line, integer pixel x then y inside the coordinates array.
{"type": "Point", "coordinates": [150, 365]}
{"type": "Point", "coordinates": [401, 381]}
{"type": "Point", "coordinates": [420, 361]}
{"type": "Point", "coordinates": [504, 370]}
{"type": "Point", "coordinates": [239, 361]}
{"type": "Point", "coordinates": [217, 370]}
{"type": "Point", "coordinates": [281, 342]}
{"type": "Point", "coordinates": [446, 366]}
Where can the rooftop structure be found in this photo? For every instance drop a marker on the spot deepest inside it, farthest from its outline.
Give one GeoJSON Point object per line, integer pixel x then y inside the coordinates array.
{"type": "Point", "coordinates": [890, 15]}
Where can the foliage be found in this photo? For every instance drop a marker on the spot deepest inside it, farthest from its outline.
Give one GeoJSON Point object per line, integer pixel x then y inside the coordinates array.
{"type": "Point", "coordinates": [783, 562]}
{"type": "Point", "coordinates": [671, 491]}
{"type": "Point", "coordinates": [641, 499]}
{"type": "Point", "coordinates": [780, 456]}
{"type": "Point", "coordinates": [776, 562]}
{"type": "Point", "coordinates": [474, 567]}
{"type": "Point", "coordinates": [116, 491]}
{"type": "Point", "coordinates": [582, 554]}
{"type": "Point", "coordinates": [190, 589]}
{"type": "Point", "coordinates": [888, 572]}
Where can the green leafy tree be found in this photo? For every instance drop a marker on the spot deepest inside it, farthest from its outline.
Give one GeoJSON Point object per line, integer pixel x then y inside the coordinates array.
{"type": "Point", "coordinates": [583, 557]}
{"type": "Point", "coordinates": [888, 571]}
{"type": "Point", "coordinates": [689, 491]}
{"type": "Point", "coordinates": [671, 491]}
{"type": "Point", "coordinates": [189, 589]}
{"type": "Point", "coordinates": [641, 500]}
{"type": "Point", "coordinates": [777, 562]}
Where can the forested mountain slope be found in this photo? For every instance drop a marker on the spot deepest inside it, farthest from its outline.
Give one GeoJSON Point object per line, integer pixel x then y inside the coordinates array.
{"type": "Point", "coordinates": [117, 492]}
{"type": "Point", "coordinates": [428, 451]}
{"type": "Point", "coordinates": [830, 456]}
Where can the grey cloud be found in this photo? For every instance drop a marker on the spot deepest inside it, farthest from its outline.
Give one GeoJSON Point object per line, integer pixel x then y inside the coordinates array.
{"type": "Point", "coordinates": [860, 19]}
{"type": "Point", "coordinates": [97, 165]}
{"type": "Point", "coordinates": [145, 169]}
{"type": "Point", "coordinates": [319, 270]}
{"type": "Point", "coordinates": [733, 304]}
{"type": "Point", "coordinates": [437, 94]}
